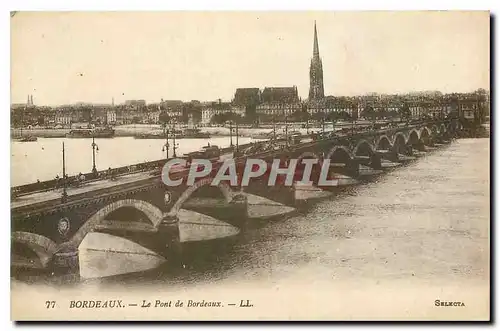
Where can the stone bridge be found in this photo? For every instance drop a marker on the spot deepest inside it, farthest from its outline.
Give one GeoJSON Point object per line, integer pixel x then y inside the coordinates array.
{"type": "Point", "coordinates": [46, 233]}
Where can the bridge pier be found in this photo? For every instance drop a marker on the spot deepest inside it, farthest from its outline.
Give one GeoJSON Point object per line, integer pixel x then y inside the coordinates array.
{"type": "Point", "coordinates": [409, 150]}
{"type": "Point", "coordinates": [279, 193]}
{"type": "Point", "coordinates": [239, 210]}
{"type": "Point", "coordinates": [168, 242]}
{"type": "Point", "coordinates": [234, 212]}
{"type": "Point", "coordinates": [428, 142]}
{"type": "Point", "coordinates": [353, 169]}
{"type": "Point", "coordinates": [350, 169]}
{"type": "Point", "coordinates": [66, 261]}
{"type": "Point", "coordinates": [390, 155]}
{"type": "Point", "coordinates": [375, 162]}
{"type": "Point", "coordinates": [420, 146]}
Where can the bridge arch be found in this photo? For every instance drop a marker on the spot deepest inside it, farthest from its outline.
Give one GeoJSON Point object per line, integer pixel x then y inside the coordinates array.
{"type": "Point", "coordinates": [452, 126]}
{"type": "Point", "coordinates": [425, 135]}
{"type": "Point", "coordinates": [363, 148]}
{"type": "Point", "coordinates": [225, 190]}
{"type": "Point", "coordinates": [399, 143]}
{"type": "Point", "coordinates": [413, 137]}
{"type": "Point", "coordinates": [42, 246]}
{"type": "Point", "coordinates": [153, 213]}
{"type": "Point", "coordinates": [339, 153]}
{"type": "Point", "coordinates": [435, 130]}
{"type": "Point", "coordinates": [383, 143]}
{"type": "Point", "coordinates": [425, 131]}
{"type": "Point", "coordinates": [399, 136]}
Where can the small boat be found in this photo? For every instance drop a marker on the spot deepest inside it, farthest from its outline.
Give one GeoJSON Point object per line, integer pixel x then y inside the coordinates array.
{"type": "Point", "coordinates": [150, 136]}
{"type": "Point", "coordinates": [193, 133]}
{"type": "Point", "coordinates": [261, 135]}
{"type": "Point", "coordinates": [89, 133]}
{"type": "Point", "coordinates": [206, 152]}
{"type": "Point", "coordinates": [28, 139]}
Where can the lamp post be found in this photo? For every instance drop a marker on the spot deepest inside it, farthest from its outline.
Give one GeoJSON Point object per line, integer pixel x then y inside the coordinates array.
{"type": "Point", "coordinates": [333, 124]}
{"type": "Point", "coordinates": [166, 146]}
{"type": "Point", "coordinates": [323, 126]}
{"type": "Point", "coordinates": [286, 130]}
{"type": "Point", "coordinates": [353, 122]}
{"type": "Point", "coordinates": [231, 133]}
{"type": "Point", "coordinates": [174, 147]}
{"type": "Point", "coordinates": [236, 122]}
{"type": "Point", "coordinates": [274, 128]}
{"type": "Point", "coordinates": [374, 119]}
{"type": "Point", "coordinates": [95, 148]}
{"type": "Point", "coordinates": [64, 193]}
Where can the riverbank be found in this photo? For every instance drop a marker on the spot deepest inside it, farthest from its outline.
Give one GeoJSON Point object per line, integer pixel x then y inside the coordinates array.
{"type": "Point", "coordinates": [136, 130]}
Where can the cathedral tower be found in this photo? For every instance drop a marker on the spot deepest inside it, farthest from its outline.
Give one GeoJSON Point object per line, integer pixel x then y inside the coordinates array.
{"type": "Point", "coordinates": [316, 90]}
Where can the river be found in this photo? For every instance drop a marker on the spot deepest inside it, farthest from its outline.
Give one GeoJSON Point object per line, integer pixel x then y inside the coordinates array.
{"type": "Point", "coordinates": [418, 233]}
{"type": "Point", "coordinates": [42, 159]}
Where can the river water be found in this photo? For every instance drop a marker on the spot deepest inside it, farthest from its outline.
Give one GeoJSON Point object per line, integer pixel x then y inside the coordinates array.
{"type": "Point", "coordinates": [43, 159]}
{"type": "Point", "coordinates": [419, 226]}
{"type": "Point", "coordinates": [429, 219]}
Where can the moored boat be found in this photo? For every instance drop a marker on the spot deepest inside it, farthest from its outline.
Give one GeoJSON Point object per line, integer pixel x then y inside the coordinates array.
{"type": "Point", "coordinates": [89, 133]}
{"type": "Point", "coordinates": [27, 139]}
{"type": "Point", "coordinates": [193, 133]}
{"type": "Point", "coordinates": [149, 136]}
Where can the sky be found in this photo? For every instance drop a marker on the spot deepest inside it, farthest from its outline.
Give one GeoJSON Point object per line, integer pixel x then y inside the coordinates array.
{"type": "Point", "coordinates": [68, 57]}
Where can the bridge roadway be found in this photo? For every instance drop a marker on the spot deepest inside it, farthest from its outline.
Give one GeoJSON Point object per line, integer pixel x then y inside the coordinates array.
{"type": "Point", "coordinates": [49, 198]}
{"type": "Point", "coordinates": [44, 196]}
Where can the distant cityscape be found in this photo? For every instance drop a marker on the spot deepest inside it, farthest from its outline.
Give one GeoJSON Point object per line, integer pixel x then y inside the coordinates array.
{"type": "Point", "coordinates": [254, 105]}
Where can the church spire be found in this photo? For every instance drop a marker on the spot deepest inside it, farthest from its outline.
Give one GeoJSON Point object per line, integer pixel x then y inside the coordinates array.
{"type": "Point", "coordinates": [316, 89]}
{"type": "Point", "coordinates": [316, 47]}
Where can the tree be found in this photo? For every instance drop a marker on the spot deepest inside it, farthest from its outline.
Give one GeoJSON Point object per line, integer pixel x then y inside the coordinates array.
{"type": "Point", "coordinates": [299, 116]}
{"type": "Point", "coordinates": [344, 116]}
{"type": "Point", "coordinates": [224, 117]}
{"type": "Point", "coordinates": [319, 116]}
{"type": "Point", "coordinates": [295, 116]}
{"type": "Point", "coordinates": [369, 112]}
{"type": "Point", "coordinates": [41, 120]}
{"type": "Point", "coordinates": [164, 118]}
{"type": "Point", "coordinates": [304, 115]}
{"type": "Point", "coordinates": [332, 116]}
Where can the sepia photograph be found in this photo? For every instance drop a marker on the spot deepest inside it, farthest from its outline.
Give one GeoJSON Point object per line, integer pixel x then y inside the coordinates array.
{"type": "Point", "coordinates": [250, 165]}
